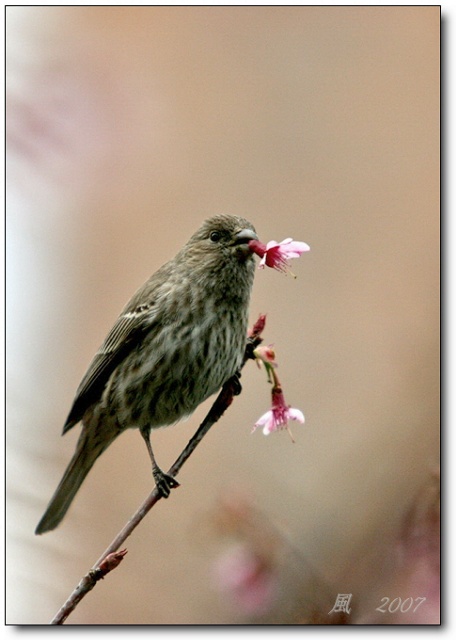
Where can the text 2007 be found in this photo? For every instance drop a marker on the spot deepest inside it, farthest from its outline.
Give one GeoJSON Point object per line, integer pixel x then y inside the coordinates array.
{"type": "Point", "coordinates": [397, 604]}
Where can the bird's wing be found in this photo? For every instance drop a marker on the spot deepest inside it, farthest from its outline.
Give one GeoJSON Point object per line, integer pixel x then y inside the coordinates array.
{"type": "Point", "coordinates": [123, 337]}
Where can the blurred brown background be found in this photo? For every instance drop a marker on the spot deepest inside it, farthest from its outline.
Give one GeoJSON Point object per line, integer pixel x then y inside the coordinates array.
{"type": "Point", "coordinates": [126, 128]}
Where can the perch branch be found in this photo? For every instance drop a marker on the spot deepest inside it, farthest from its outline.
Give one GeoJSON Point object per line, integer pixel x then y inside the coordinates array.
{"type": "Point", "coordinates": [111, 557]}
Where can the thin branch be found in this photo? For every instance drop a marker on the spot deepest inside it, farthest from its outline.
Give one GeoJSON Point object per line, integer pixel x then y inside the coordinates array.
{"type": "Point", "coordinates": [111, 557]}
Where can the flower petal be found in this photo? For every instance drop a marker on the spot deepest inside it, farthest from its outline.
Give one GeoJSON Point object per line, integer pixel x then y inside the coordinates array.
{"type": "Point", "coordinates": [296, 414]}
{"type": "Point", "coordinates": [265, 418]}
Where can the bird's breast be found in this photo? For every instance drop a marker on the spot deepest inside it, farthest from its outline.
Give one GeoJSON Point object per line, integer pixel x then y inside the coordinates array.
{"type": "Point", "coordinates": [177, 366]}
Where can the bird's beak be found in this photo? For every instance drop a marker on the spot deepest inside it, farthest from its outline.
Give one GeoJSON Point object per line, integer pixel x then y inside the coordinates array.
{"type": "Point", "coordinates": [244, 236]}
{"type": "Point", "coordinates": [241, 242]}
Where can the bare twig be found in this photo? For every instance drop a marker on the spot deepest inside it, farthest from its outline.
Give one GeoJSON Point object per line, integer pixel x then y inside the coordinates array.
{"type": "Point", "coordinates": [111, 557]}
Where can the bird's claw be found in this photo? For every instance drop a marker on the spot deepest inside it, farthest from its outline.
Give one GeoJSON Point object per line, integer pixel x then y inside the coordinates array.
{"type": "Point", "coordinates": [164, 483]}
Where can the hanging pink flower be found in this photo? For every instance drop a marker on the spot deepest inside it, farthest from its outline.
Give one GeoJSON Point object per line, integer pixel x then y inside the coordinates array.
{"type": "Point", "coordinates": [278, 416]}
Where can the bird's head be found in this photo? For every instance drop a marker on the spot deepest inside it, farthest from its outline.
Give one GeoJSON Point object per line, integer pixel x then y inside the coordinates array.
{"type": "Point", "coordinates": [223, 238]}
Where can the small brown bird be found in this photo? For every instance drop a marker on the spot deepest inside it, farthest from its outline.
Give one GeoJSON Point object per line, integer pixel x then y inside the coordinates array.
{"type": "Point", "coordinates": [181, 336]}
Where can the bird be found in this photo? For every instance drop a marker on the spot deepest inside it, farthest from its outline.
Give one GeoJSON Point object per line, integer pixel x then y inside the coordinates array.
{"type": "Point", "coordinates": [177, 341]}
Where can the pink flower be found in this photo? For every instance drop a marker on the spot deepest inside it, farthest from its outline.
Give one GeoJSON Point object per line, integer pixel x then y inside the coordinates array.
{"type": "Point", "coordinates": [277, 254]}
{"type": "Point", "coordinates": [278, 416]}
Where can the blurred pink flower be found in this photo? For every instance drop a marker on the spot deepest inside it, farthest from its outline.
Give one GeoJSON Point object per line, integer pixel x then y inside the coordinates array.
{"type": "Point", "coordinates": [246, 578]}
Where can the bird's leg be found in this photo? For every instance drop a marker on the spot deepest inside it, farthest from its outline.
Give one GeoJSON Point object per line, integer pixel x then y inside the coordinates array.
{"type": "Point", "coordinates": [163, 481]}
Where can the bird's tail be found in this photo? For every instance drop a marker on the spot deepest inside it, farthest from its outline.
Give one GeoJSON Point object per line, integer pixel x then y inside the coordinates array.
{"type": "Point", "coordinates": [87, 451]}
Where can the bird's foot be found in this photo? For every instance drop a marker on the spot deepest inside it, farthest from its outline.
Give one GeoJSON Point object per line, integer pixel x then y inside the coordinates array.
{"type": "Point", "coordinates": [164, 483]}
{"type": "Point", "coordinates": [236, 383]}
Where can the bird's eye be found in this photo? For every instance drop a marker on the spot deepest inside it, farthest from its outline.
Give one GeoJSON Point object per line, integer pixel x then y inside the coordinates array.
{"type": "Point", "coordinates": [215, 236]}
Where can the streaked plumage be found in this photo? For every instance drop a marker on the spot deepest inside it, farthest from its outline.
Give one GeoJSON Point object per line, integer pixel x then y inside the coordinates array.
{"type": "Point", "coordinates": [176, 342]}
